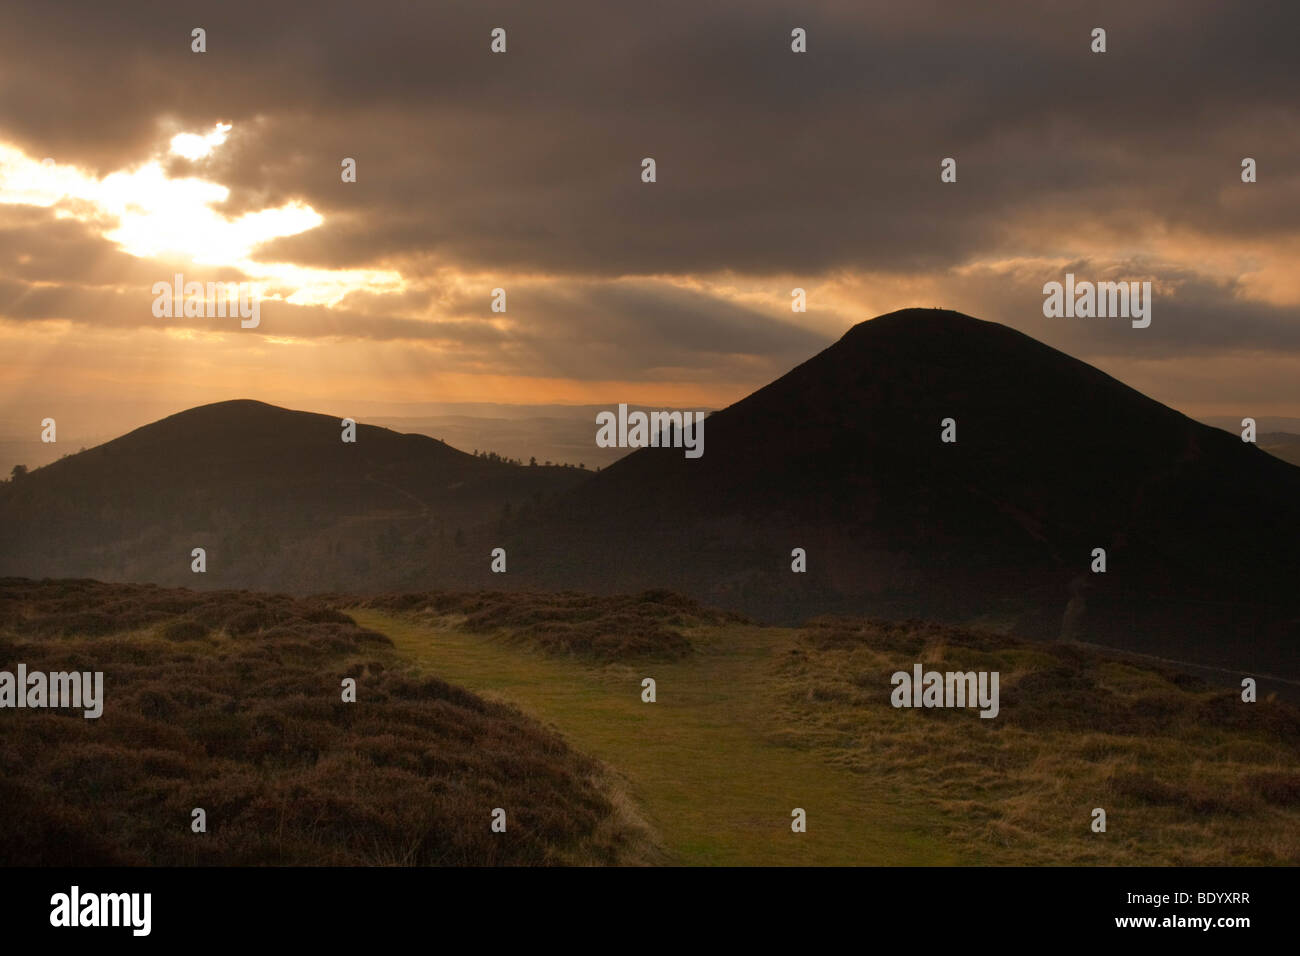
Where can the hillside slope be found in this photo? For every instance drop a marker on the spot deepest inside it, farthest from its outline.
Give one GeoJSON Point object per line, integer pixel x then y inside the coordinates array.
{"type": "Point", "coordinates": [274, 496]}
{"type": "Point", "coordinates": [843, 457]}
{"type": "Point", "coordinates": [232, 703]}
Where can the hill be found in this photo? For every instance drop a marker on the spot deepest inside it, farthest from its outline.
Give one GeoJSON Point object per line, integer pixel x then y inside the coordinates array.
{"type": "Point", "coordinates": [843, 457]}
{"type": "Point", "coordinates": [274, 496]}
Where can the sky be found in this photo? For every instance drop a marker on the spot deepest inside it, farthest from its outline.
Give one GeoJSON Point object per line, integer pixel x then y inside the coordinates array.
{"type": "Point", "coordinates": [126, 157]}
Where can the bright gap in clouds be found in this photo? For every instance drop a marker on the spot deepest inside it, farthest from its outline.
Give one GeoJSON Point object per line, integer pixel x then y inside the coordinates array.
{"type": "Point", "coordinates": [192, 146]}
{"type": "Point", "coordinates": [153, 217]}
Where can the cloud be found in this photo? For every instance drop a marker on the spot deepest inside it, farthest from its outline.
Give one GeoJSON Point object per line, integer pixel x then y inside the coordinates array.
{"type": "Point", "coordinates": [774, 169]}
{"type": "Point", "coordinates": [767, 159]}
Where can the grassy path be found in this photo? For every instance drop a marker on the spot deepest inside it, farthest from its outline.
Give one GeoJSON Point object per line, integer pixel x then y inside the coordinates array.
{"type": "Point", "coordinates": [706, 763]}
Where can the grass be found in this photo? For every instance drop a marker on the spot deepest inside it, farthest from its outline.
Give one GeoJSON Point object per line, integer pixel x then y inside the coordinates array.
{"type": "Point", "coordinates": [610, 628]}
{"type": "Point", "coordinates": [231, 702]}
{"type": "Point", "coordinates": [1187, 774]}
{"type": "Point", "coordinates": [702, 762]}
{"type": "Point", "coordinates": [757, 721]}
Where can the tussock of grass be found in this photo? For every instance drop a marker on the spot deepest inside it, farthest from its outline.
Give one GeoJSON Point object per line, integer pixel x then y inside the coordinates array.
{"type": "Point", "coordinates": [1187, 774]}
{"type": "Point", "coordinates": [230, 701]}
{"type": "Point", "coordinates": [623, 627]}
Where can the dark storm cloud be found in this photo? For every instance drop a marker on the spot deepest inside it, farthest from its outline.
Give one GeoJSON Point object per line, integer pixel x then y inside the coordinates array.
{"type": "Point", "coordinates": [767, 161]}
